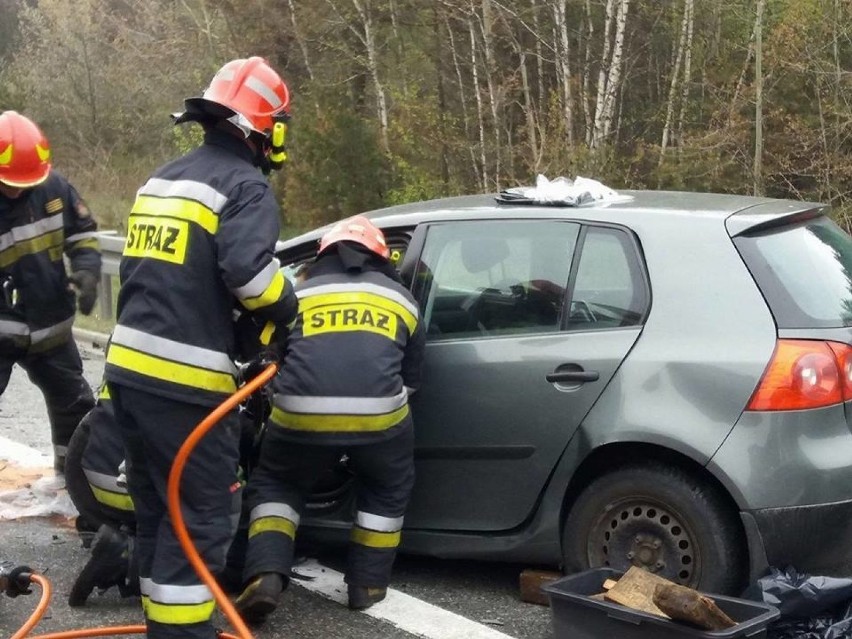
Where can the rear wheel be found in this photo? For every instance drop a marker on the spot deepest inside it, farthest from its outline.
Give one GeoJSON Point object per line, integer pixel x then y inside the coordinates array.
{"type": "Point", "coordinates": [660, 518]}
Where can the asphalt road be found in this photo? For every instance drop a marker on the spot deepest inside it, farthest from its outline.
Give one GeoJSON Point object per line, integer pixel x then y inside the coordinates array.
{"type": "Point", "coordinates": [484, 593]}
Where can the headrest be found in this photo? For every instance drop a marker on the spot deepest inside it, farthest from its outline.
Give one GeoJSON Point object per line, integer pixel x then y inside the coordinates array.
{"type": "Point", "coordinates": [481, 253]}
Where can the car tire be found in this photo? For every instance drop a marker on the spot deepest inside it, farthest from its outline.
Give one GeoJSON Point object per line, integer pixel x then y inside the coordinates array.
{"type": "Point", "coordinates": [661, 518]}
{"type": "Point", "coordinates": [77, 485]}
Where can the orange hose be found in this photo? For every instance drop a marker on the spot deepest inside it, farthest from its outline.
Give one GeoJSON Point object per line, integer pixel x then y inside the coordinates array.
{"type": "Point", "coordinates": [173, 496]}
{"type": "Point", "coordinates": [38, 613]}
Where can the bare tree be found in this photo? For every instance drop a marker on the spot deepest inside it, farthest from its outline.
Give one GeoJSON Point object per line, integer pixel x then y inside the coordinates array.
{"type": "Point", "coordinates": [610, 71]}
{"type": "Point", "coordinates": [758, 99]}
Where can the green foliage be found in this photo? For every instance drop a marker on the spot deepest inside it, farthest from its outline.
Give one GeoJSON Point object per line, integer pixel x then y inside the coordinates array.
{"type": "Point", "coordinates": [335, 168]}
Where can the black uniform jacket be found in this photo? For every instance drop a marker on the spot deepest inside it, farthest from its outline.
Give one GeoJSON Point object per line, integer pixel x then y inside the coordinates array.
{"type": "Point", "coordinates": [201, 234]}
{"type": "Point", "coordinates": [36, 303]}
{"type": "Point", "coordinates": [352, 359]}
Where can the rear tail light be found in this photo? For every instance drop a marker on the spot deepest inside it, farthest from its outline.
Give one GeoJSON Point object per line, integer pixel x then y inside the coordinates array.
{"type": "Point", "coordinates": [805, 374]}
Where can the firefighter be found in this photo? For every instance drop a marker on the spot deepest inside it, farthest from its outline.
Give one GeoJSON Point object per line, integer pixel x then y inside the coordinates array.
{"type": "Point", "coordinates": [201, 234]}
{"type": "Point", "coordinates": [352, 359]}
{"type": "Point", "coordinates": [41, 218]}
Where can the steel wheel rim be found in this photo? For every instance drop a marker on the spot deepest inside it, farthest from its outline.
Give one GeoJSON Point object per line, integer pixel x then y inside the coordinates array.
{"type": "Point", "coordinates": [643, 532]}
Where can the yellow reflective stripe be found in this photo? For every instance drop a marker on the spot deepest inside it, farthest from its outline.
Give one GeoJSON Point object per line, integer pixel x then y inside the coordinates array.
{"type": "Point", "coordinates": [115, 500]}
{"type": "Point", "coordinates": [375, 539]}
{"type": "Point", "coordinates": [272, 524]}
{"type": "Point", "coordinates": [169, 371]}
{"type": "Point", "coordinates": [267, 333]}
{"type": "Point", "coordinates": [51, 242]}
{"type": "Point", "coordinates": [177, 614]}
{"type": "Point", "coordinates": [177, 208]}
{"type": "Point", "coordinates": [341, 299]}
{"type": "Point", "coordinates": [91, 243]}
{"type": "Point", "coordinates": [269, 296]}
{"type": "Point", "coordinates": [104, 392]}
{"type": "Point", "coordinates": [338, 423]}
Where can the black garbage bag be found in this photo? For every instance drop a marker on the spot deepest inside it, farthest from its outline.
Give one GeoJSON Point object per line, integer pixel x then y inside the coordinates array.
{"type": "Point", "coordinates": [812, 607]}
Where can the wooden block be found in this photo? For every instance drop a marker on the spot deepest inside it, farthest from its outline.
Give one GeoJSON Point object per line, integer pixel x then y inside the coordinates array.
{"type": "Point", "coordinates": [686, 604]}
{"type": "Point", "coordinates": [636, 590]}
{"type": "Point", "coordinates": [601, 596]}
{"type": "Point", "coordinates": [609, 583]}
{"type": "Point", "coordinates": [531, 582]}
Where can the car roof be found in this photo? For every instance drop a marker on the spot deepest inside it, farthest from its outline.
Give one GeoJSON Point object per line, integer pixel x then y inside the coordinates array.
{"type": "Point", "coordinates": [738, 212]}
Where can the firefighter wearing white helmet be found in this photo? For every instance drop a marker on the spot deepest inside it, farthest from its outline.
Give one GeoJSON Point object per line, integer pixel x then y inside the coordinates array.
{"type": "Point", "coordinates": [352, 359]}
{"type": "Point", "coordinates": [201, 236]}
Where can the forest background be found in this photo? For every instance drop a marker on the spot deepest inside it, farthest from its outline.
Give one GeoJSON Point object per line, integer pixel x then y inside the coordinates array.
{"type": "Point", "coordinates": [401, 100]}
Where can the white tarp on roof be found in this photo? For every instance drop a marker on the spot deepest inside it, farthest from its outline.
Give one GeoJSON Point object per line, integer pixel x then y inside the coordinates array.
{"type": "Point", "coordinates": [563, 190]}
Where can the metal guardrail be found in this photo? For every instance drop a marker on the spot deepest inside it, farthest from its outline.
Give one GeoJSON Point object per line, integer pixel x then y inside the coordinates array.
{"type": "Point", "coordinates": [112, 245]}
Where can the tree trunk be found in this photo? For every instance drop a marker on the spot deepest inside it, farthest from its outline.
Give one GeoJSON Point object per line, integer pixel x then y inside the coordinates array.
{"type": "Point", "coordinates": [587, 72]}
{"type": "Point", "coordinates": [463, 99]}
{"type": "Point", "coordinates": [300, 40]}
{"type": "Point", "coordinates": [479, 109]}
{"type": "Point", "coordinates": [687, 70]}
{"type": "Point", "coordinates": [563, 54]}
{"type": "Point", "coordinates": [758, 99]}
{"type": "Point", "coordinates": [673, 84]}
{"type": "Point", "coordinates": [369, 40]}
{"type": "Point", "coordinates": [486, 25]}
{"type": "Point", "coordinates": [614, 74]}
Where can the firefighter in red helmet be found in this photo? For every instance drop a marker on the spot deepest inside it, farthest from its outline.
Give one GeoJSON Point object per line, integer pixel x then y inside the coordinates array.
{"type": "Point", "coordinates": [43, 218]}
{"type": "Point", "coordinates": [201, 236]}
{"type": "Point", "coordinates": [352, 360]}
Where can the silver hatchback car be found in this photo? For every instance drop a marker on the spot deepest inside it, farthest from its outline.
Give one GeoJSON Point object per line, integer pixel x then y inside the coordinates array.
{"type": "Point", "coordinates": [660, 379]}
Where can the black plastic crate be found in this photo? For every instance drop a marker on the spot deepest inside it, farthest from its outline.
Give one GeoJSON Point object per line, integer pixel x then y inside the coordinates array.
{"type": "Point", "coordinates": [576, 616]}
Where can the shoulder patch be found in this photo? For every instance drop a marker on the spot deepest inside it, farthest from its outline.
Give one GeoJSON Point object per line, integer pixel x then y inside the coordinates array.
{"type": "Point", "coordinates": [82, 210]}
{"type": "Point", "coordinates": [53, 206]}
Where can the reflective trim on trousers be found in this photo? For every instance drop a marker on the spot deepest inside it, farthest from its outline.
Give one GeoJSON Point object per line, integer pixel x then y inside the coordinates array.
{"type": "Point", "coordinates": [340, 405]}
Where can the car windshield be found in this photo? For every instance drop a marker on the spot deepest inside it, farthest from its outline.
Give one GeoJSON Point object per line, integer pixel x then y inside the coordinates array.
{"type": "Point", "coordinates": [804, 272]}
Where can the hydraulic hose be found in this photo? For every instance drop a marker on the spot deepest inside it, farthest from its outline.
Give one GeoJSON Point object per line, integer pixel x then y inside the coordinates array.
{"type": "Point", "coordinates": [173, 496]}
{"type": "Point", "coordinates": [189, 549]}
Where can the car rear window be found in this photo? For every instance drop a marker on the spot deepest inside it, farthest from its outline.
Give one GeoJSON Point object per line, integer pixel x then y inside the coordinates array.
{"type": "Point", "coordinates": [804, 271]}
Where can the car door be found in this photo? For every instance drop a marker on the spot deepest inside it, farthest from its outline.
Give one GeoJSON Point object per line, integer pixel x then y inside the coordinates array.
{"type": "Point", "coordinates": [512, 364]}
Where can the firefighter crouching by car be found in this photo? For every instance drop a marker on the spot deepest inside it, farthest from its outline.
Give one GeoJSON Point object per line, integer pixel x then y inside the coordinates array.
{"type": "Point", "coordinates": [352, 359]}
{"type": "Point", "coordinates": [201, 234]}
{"type": "Point", "coordinates": [42, 217]}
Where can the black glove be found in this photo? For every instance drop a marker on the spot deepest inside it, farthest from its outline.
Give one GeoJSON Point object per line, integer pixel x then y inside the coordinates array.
{"type": "Point", "coordinates": [87, 290]}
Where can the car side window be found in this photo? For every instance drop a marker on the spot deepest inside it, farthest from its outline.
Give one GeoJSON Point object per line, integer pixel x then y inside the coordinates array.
{"type": "Point", "coordinates": [609, 290]}
{"type": "Point", "coordinates": [494, 278]}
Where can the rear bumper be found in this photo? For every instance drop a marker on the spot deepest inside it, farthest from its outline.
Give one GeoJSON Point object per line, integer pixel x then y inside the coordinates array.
{"type": "Point", "coordinates": [816, 539]}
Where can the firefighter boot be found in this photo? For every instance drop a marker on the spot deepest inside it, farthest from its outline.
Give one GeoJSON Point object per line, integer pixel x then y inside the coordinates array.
{"type": "Point", "coordinates": [361, 597]}
{"type": "Point", "coordinates": [260, 597]}
{"type": "Point", "coordinates": [107, 567]}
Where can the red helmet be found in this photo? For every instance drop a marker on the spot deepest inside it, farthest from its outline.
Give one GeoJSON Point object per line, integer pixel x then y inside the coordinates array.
{"type": "Point", "coordinates": [357, 229]}
{"type": "Point", "coordinates": [247, 92]}
{"type": "Point", "coordinates": [24, 151]}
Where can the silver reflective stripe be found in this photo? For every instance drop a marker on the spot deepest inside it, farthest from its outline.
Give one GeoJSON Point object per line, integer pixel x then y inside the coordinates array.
{"type": "Point", "coordinates": [273, 509]}
{"type": "Point", "coordinates": [80, 236]}
{"type": "Point", "coordinates": [358, 288]}
{"type": "Point", "coordinates": [257, 85]}
{"type": "Point", "coordinates": [224, 74]}
{"type": "Point", "coordinates": [60, 451]}
{"type": "Point", "coordinates": [107, 482]}
{"type": "Point", "coordinates": [377, 522]}
{"type": "Point", "coordinates": [260, 282]}
{"type": "Point", "coordinates": [187, 189]}
{"type": "Point", "coordinates": [172, 350]}
{"type": "Point", "coordinates": [29, 231]}
{"type": "Point", "coordinates": [43, 334]}
{"type": "Point", "coordinates": [341, 405]}
{"type": "Point", "coordinates": [9, 327]}
{"type": "Point", "coordinates": [169, 594]}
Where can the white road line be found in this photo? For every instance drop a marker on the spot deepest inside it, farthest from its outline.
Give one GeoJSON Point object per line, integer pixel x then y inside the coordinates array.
{"type": "Point", "coordinates": [403, 611]}
{"type": "Point", "coordinates": [23, 455]}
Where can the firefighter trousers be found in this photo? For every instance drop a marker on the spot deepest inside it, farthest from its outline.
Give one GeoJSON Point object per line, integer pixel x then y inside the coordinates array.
{"type": "Point", "coordinates": [286, 474]}
{"type": "Point", "coordinates": [176, 603]}
{"type": "Point", "coordinates": [58, 374]}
